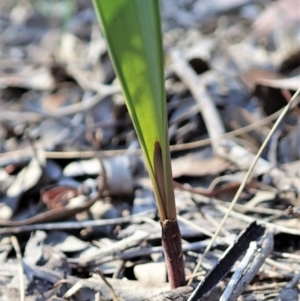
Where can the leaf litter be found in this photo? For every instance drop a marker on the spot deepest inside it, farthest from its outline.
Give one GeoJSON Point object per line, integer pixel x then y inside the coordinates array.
{"type": "Point", "coordinates": [74, 190]}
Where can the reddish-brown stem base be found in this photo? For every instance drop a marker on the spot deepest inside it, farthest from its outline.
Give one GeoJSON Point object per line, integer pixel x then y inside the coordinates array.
{"type": "Point", "coordinates": [171, 242]}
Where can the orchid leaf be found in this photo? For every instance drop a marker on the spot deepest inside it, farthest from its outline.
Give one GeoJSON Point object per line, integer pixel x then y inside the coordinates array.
{"type": "Point", "coordinates": [132, 29]}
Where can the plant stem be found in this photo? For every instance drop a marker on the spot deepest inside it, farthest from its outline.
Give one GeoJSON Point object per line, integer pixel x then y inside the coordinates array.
{"type": "Point", "coordinates": [171, 242]}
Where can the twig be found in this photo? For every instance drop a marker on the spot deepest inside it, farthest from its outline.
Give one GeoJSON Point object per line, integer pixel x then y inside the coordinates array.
{"type": "Point", "coordinates": [279, 266]}
{"type": "Point", "coordinates": [76, 225]}
{"type": "Point", "coordinates": [146, 251]}
{"type": "Point", "coordinates": [286, 255]}
{"type": "Point", "coordinates": [213, 189]}
{"type": "Point", "coordinates": [215, 223]}
{"type": "Point", "coordinates": [173, 148]}
{"type": "Point", "coordinates": [249, 219]}
{"type": "Point", "coordinates": [114, 296]}
{"type": "Point", "coordinates": [249, 172]}
{"type": "Point", "coordinates": [223, 207]}
{"type": "Point", "coordinates": [245, 208]}
{"type": "Point", "coordinates": [17, 249]}
{"type": "Point", "coordinates": [237, 132]}
{"type": "Point", "coordinates": [197, 87]}
{"type": "Point", "coordinates": [81, 106]}
{"type": "Point", "coordinates": [255, 287]}
{"type": "Point", "coordinates": [152, 222]}
{"type": "Point", "coordinates": [90, 85]}
{"type": "Point", "coordinates": [71, 291]}
{"type": "Point", "coordinates": [242, 208]}
{"type": "Point", "coordinates": [117, 247]}
{"type": "Point", "coordinates": [201, 229]}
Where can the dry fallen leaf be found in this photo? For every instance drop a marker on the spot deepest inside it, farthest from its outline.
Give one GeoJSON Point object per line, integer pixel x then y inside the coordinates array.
{"type": "Point", "coordinates": [194, 165]}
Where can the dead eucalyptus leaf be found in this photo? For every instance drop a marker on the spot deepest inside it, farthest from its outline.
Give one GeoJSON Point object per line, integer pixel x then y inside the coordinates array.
{"type": "Point", "coordinates": [194, 166]}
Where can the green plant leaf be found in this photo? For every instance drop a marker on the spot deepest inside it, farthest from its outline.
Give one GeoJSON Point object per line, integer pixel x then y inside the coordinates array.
{"type": "Point", "coordinates": [132, 29]}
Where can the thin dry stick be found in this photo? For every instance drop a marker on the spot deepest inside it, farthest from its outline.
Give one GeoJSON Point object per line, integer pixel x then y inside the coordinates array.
{"type": "Point", "coordinates": [120, 246]}
{"type": "Point", "coordinates": [146, 251]}
{"type": "Point", "coordinates": [197, 87]}
{"type": "Point", "coordinates": [249, 219]}
{"type": "Point", "coordinates": [17, 249]}
{"type": "Point", "coordinates": [255, 287]}
{"type": "Point", "coordinates": [75, 224]}
{"type": "Point", "coordinates": [247, 176]}
{"type": "Point", "coordinates": [274, 264]}
{"type": "Point", "coordinates": [286, 255]}
{"type": "Point", "coordinates": [173, 148]}
{"type": "Point", "coordinates": [201, 229]}
{"type": "Point", "coordinates": [113, 294]}
{"type": "Point", "coordinates": [72, 291]}
{"type": "Point", "coordinates": [215, 223]}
